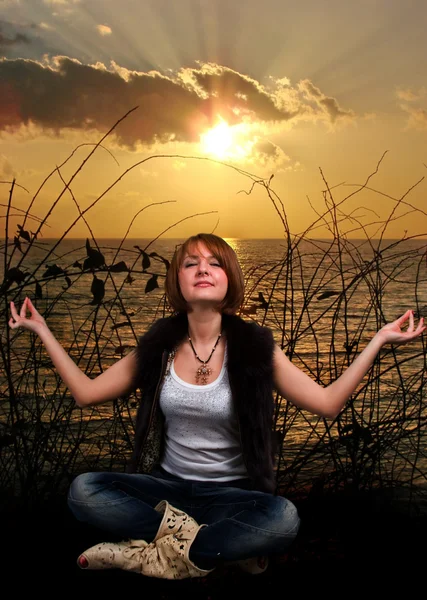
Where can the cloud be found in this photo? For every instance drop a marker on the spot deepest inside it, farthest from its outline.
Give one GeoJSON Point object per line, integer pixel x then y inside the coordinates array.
{"type": "Point", "coordinates": [46, 26]}
{"type": "Point", "coordinates": [410, 95]}
{"type": "Point", "coordinates": [327, 104]}
{"type": "Point", "coordinates": [179, 165]}
{"type": "Point", "coordinates": [417, 115]}
{"type": "Point", "coordinates": [61, 2]}
{"type": "Point", "coordinates": [242, 98]}
{"type": "Point", "coordinates": [144, 173]}
{"type": "Point", "coordinates": [62, 94]}
{"type": "Point", "coordinates": [6, 169]}
{"type": "Point", "coordinates": [104, 30]}
{"type": "Point", "coordinates": [18, 38]}
{"type": "Point", "coordinates": [270, 157]}
{"type": "Point", "coordinates": [407, 95]}
{"type": "Point", "coordinates": [24, 40]}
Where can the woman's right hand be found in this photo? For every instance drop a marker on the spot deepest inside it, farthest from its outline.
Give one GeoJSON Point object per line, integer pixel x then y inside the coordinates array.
{"type": "Point", "coordinates": [33, 323]}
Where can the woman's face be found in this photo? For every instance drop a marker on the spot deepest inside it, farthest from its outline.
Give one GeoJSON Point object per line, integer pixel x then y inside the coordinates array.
{"type": "Point", "coordinates": [201, 278]}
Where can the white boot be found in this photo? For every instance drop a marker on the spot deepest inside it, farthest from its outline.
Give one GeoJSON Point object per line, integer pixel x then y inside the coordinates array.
{"type": "Point", "coordinates": [168, 557]}
{"type": "Point", "coordinates": [174, 520]}
{"type": "Point", "coordinates": [127, 555]}
{"type": "Point", "coordinates": [124, 555]}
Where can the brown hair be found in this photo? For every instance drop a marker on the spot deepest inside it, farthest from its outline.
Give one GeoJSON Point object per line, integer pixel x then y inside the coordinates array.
{"type": "Point", "coordinates": [227, 259]}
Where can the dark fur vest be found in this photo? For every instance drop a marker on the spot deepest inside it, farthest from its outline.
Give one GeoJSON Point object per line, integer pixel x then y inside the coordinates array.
{"type": "Point", "coordinates": [250, 371]}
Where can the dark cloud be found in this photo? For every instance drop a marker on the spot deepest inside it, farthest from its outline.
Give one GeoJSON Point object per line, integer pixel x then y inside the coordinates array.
{"type": "Point", "coordinates": [30, 40]}
{"type": "Point", "coordinates": [64, 93]}
{"type": "Point", "coordinates": [268, 155]}
{"type": "Point", "coordinates": [267, 148]}
{"type": "Point", "coordinates": [329, 105]}
{"type": "Point", "coordinates": [7, 42]}
{"type": "Point", "coordinates": [242, 95]}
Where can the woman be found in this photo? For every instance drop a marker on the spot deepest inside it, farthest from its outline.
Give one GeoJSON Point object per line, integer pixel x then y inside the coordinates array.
{"type": "Point", "coordinates": [201, 490]}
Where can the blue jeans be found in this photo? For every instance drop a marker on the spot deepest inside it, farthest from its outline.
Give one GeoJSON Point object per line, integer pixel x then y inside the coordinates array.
{"type": "Point", "coordinates": [241, 523]}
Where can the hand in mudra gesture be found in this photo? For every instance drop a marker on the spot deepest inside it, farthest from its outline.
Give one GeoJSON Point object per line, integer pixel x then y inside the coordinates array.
{"type": "Point", "coordinates": [392, 333]}
{"type": "Point", "coordinates": [33, 323]}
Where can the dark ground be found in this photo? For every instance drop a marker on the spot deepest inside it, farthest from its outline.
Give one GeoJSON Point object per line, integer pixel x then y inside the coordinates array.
{"type": "Point", "coordinates": [347, 544]}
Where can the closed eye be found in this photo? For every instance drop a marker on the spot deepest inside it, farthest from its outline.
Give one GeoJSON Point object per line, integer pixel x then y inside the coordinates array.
{"type": "Point", "coordinates": [215, 264]}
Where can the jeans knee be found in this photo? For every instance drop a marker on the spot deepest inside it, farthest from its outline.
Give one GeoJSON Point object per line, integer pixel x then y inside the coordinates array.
{"type": "Point", "coordinates": [81, 488]}
{"type": "Point", "coordinates": [288, 518]}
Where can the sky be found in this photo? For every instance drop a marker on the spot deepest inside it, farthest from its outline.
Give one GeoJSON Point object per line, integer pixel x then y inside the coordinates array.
{"type": "Point", "coordinates": [222, 114]}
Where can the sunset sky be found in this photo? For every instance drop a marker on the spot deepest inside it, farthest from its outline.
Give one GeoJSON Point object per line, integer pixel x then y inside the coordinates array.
{"type": "Point", "coordinates": [272, 87]}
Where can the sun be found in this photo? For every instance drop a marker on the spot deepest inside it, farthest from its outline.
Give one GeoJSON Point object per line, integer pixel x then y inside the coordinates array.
{"type": "Point", "coordinates": [218, 140]}
{"type": "Point", "coordinates": [223, 141]}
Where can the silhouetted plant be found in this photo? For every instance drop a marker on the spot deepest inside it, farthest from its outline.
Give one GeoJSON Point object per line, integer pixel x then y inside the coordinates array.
{"type": "Point", "coordinates": [306, 295]}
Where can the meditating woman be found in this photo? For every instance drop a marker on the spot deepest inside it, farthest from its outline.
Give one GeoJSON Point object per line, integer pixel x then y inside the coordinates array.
{"type": "Point", "coordinates": [201, 486]}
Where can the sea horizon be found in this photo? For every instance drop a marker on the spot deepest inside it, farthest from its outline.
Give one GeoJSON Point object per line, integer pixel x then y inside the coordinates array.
{"type": "Point", "coordinates": [164, 237]}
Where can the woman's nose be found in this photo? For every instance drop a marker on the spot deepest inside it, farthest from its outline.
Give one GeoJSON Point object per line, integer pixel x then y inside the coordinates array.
{"type": "Point", "coordinates": [203, 268]}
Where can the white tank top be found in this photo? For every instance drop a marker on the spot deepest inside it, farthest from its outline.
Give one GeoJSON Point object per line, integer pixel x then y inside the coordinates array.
{"type": "Point", "coordinates": [201, 430]}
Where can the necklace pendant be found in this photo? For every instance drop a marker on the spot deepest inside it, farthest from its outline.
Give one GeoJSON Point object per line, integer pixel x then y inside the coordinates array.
{"type": "Point", "coordinates": [202, 374]}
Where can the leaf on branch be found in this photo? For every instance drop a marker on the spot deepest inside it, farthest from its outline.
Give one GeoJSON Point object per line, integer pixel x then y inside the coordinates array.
{"type": "Point", "coordinates": [119, 267]}
{"type": "Point", "coordinates": [23, 234]}
{"type": "Point", "coordinates": [13, 275]}
{"type": "Point", "coordinates": [53, 271]}
{"type": "Point", "coordinates": [122, 349]}
{"type": "Point", "coordinates": [349, 347]}
{"type": "Point", "coordinates": [94, 260]}
{"type": "Point", "coordinates": [129, 279]}
{"type": "Point", "coordinates": [39, 293]}
{"type": "Point", "coordinates": [77, 264]}
{"type": "Point", "coordinates": [17, 243]}
{"type": "Point", "coordinates": [120, 325]}
{"type": "Point", "coordinates": [68, 280]}
{"type": "Point", "coordinates": [145, 259]}
{"type": "Point", "coordinates": [98, 290]}
{"type": "Point", "coordinates": [146, 262]}
{"type": "Point", "coordinates": [327, 295]}
{"type": "Point", "coordinates": [164, 260]}
{"type": "Point", "coordinates": [260, 298]}
{"type": "Point", "coordinates": [249, 310]}
{"type": "Point", "coordinates": [347, 428]}
{"type": "Point", "coordinates": [353, 432]}
{"type": "Point", "coordinates": [151, 284]}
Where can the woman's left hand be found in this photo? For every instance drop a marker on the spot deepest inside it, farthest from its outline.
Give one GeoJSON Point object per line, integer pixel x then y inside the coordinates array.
{"type": "Point", "coordinates": [392, 333]}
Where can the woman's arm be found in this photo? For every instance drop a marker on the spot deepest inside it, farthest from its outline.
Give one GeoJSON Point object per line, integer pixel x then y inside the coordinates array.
{"type": "Point", "coordinates": [113, 383]}
{"type": "Point", "coordinates": [297, 387]}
